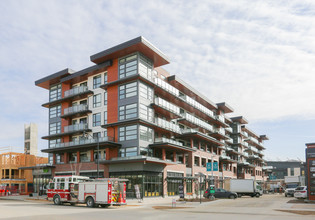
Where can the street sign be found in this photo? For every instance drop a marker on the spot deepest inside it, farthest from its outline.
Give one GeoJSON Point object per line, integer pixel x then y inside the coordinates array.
{"type": "Point", "coordinates": [215, 166]}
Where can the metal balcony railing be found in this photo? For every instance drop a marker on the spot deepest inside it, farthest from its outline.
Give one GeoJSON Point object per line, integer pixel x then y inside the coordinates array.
{"type": "Point", "coordinates": [167, 105]}
{"type": "Point", "coordinates": [167, 125]}
{"type": "Point", "coordinates": [197, 121]}
{"type": "Point", "coordinates": [166, 140]}
{"type": "Point", "coordinates": [75, 91]}
{"type": "Point", "coordinates": [76, 127]}
{"type": "Point", "coordinates": [83, 142]}
{"type": "Point", "coordinates": [75, 109]}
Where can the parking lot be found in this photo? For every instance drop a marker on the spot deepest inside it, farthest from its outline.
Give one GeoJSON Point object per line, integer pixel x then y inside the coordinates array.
{"type": "Point", "coordinates": [266, 207]}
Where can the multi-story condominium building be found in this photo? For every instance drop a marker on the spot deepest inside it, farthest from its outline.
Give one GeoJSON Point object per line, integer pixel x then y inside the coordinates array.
{"type": "Point", "coordinates": [150, 127]}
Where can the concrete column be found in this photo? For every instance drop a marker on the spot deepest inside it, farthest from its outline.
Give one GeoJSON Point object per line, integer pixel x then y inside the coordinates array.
{"type": "Point", "coordinates": [163, 154]}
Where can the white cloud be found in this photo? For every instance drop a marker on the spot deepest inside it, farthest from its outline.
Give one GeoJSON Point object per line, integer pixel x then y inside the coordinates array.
{"type": "Point", "coordinates": [257, 56]}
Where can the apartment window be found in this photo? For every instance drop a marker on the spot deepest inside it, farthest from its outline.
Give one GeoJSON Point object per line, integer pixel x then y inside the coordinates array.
{"type": "Point", "coordinates": [59, 158]}
{"type": "Point", "coordinates": [128, 133]}
{"type": "Point", "coordinates": [128, 90]}
{"type": "Point", "coordinates": [55, 111]}
{"type": "Point", "coordinates": [83, 84]}
{"type": "Point", "coordinates": [96, 135]}
{"type": "Point", "coordinates": [128, 66]}
{"type": "Point", "coordinates": [100, 154]}
{"type": "Point", "coordinates": [97, 81]}
{"type": "Point", "coordinates": [146, 92]}
{"type": "Point", "coordinates": [55, 128]}
{"type": "Point", "coordinates": [203, 162]}
{"type": "Point", "coordinates": [145, 67]}
{"type": "Point", "coordinates": [105, 78]}
{"type": "Point", "coordinates": [97, 100]}
{"type": "Point", "coordinates": [105, 117]}
{"type": "Point", "coordinates": [96, 119]}
{"type": "Point", "coordinates": [105, 97]}
{"type": "Point", "coordinates": [54, 143]}
{"type": "Point", "coordinates": [128, 152]}
{"type": "Point", "coordinates": [128, 111]}
{"type": "Point", "coordinates": [197, 161]}
{"type": "Point", "coordinates": [55, 93]}
{"type": "Point", "coordinates": [146, 113]}
{"type": "Point", "coordinates": [73, 157]}
{"type": "Point", "coordinates": [84, 157]}
{"type": "Point", "coordinates": [146, 134]}
{"type": "Point", "coordinates": [292, 171]}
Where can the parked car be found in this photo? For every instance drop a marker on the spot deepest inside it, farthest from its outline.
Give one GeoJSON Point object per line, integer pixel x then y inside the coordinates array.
{"type": "Point", "coordinates": [220, 193]}
{"type": "Point", "coordinates": [301, 192]}
{"type": "Point", "coordinates": [290, 189]}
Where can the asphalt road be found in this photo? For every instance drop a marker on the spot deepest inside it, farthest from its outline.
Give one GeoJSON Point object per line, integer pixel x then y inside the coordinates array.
{"type": "Point", "coordinates": [266, 207]}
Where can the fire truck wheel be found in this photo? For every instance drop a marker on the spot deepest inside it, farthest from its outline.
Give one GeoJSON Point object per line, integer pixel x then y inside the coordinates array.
{"type": "Point", "coordinates": [57, 200]}
{"type": "Point", "coordinates": [90, 202]}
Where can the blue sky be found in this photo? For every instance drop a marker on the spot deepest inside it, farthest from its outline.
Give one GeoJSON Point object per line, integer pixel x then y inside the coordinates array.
{"type": "Point", "coordinates": [258, 56]}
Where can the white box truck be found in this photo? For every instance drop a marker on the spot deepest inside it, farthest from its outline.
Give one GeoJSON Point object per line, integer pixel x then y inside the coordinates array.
{"type": "Point", "coordinates": [244, 187]}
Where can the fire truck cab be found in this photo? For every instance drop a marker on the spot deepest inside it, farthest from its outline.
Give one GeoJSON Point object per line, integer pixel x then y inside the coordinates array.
{"type": "Point", "coordinates": [79, 189]}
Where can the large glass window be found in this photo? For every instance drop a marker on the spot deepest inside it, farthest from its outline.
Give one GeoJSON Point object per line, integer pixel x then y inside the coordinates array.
{"type": "Point", "coordinates": [97, 81]}
{"type": "Point", "coordinates": [146, 112]}
{"type": "Point", "coordinates": [173, 182]}
{"type": "Point", "coordinates": [96, 119]}
{"type": "Point", "coordinates": [59, 158]}
{"type": "Point", "coordinates": [128, 90]}
{"type": "Point", "coordinates": [55, 93]}
{"type": "Point", "coordinates": [128, 66]}
{"type": "Point", "coordinates": [128, 111]}
{"type": "Point", "coordinates": [146, 134]}
{"type": "Point", "coordinates": [54, 143]}
{"type": "Point", "coordinates": [84, 156]}
{"type": "Point", "coordinates": [97, 100]}
{"type": "Point", "coordinates": [128, 152]}
{"type": "Point", "coordinates": [105, 117]}
{"type": "Point", "coordinates": [73, 157]}
{"type": "Point", "coordinates": [105, 97]}
{"type": "Point", "coordinates": [55, 111]}
{"type": "Point", "coordinates": [128, 133]}
{"type": "Point", "coordinates": [55, 128]}
{"type": "Point", "coordinates": [105, 78]}
{"type": "Point", "coordinates": [146, 91]}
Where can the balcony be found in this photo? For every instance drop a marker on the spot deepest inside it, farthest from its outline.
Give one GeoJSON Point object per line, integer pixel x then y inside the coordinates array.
{"type": "Point", "coordinates": [75, 128]}
{"type": "Point", "coordinates": [165, 143]}
{"type": "Point", "coordinates": [167, 140]}
{"type": "Point", "coordinates": [76, 111]}
{"type": "Point", "coordinates": [229, 130]}
{"type": "Point", "coordinates": [76, 91]}
{"type": "Point", "coordinates": [166, 108]}
{"type": "Point", "coordinates": [196, 121]}
{"type": "Point", "coordinates": [139, 158]}
{"type": "Point", "coordinates": [194, 133]}
{"type": "Point", "coordinates": [167, 125]}
{"type": "Point", "coordinates": [83, 143]}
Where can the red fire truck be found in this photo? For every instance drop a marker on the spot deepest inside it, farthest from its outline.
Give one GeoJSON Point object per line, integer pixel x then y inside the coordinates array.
{"type": "Point", "coordinates": [80, 189]}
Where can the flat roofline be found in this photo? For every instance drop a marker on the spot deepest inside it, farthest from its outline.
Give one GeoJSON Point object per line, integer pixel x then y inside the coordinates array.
{"type": "Point", "coordinates": [310, 144]}
{"type": "Point", "coordinates": [239, 119]}
{"type": "Point", "coordinates": [139, 44]}
{"type": "Point", "coordinates": [53, 78]}
{"type": "Point", "coordinates": [176, 78]}
{"type": "Point", "coordinates": [225, 107]}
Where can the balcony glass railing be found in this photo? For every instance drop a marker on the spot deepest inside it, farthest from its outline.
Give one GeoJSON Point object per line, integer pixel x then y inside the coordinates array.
{"type": "Point", "coordinates": [76, 127]}
{"type": "Point", "coordinates": [75, 109]}
{"type": "Point", "coordinates": [189, 130]}
{"type": "Point", "coordinates": [166, 140]}
{"type": "Point", "coordinates": [171, 89]}
{"type": "Point", "coordinates": [220, 131]}
{"type": "Point", "coordinates": [83, 142]}
{"type": "Point", "coordinates": [229, 129]}
{"type": "Point", "coordinates": [197, 121]}
{"type": "Point", "coordinates": [167, 125]}
{"type": "Point", "coordinates": [167, 105]}
{"type": "Point", "coordinates": [76, 91]}
{"type": "Point", "coordinates": [220, 118]}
